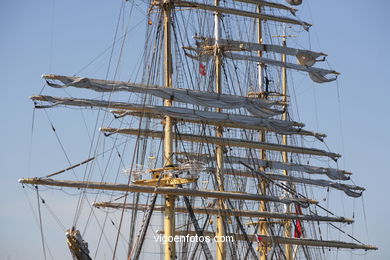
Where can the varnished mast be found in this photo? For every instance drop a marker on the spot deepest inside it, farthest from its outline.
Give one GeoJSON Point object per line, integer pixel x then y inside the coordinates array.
{"type": "Point", "coordinates": [220, 247]}
{"type": "Point", "coordinates": [287, 224]}
{"type": "Point", "coordinates": [263, 184]}
{"type": "Point", "coordinates": [169, 213]}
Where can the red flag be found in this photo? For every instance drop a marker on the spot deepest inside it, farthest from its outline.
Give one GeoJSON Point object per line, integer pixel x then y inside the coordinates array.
{"type": "Point", "coordinates": [202, 69]}
{"type": "Point", "coordinates": [298, 224]}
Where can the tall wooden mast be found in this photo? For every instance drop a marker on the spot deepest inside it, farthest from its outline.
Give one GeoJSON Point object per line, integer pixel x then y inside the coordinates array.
{"type": "Point", "coordinates": [263, 184]}
{"type": "Point", "coordinates": [220, 248]}
{"type": "Point", "coordinates": [169, 213]}
{"type": "Point", "coordinates": [287, 225]}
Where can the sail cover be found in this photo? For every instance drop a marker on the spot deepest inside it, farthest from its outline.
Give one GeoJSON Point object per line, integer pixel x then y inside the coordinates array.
{"type": "Point", "coordinates": [258, 107]}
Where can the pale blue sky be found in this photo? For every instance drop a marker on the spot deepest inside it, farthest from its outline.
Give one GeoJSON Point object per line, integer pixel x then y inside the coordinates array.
{"type": "Point", "coordinates": [61, 37]}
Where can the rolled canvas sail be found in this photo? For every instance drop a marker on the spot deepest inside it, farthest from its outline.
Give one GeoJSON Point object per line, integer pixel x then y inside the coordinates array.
{"type": "Point", "coordinates": [258, 107]}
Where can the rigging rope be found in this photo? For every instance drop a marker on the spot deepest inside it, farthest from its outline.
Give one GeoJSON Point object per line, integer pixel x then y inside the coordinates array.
{"type": "Point", "coordinates": [40, 223]}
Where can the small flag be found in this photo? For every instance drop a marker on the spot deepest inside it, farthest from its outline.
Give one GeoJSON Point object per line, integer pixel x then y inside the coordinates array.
{"type": "Point", "coordinates": [298, 224]}
{"type": "Point", "coordinates": [202, 69]}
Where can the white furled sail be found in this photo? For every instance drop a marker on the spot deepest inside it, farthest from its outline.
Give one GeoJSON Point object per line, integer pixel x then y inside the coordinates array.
{"type": "Point", "coordinates": [196, 116]}
{"type": "Point", "coordinates": [258, 107]}
{"type": "Point", "coordinates": [320, 77]}
{"type": "Point", "coordinates": [204, 50]}
{"type": "Point", "coordinates": [334, 174]}
{"type": "Point", "coordinates": [316, 74]}
{"type": "Point", "coordinates": [228, 212]}
{"type": "Point", "coordinates": [306, 58]}
{"type": "Point", "coordinates": [243, 13]}
{"type": "Point", "coordinates": [226, 142]}
{"type": "Point", "coordinates": [269, 4]}
{"type": "Point", "coordinates": [166, 190]}
{"type": "Point", "coordinates": [350, 190]}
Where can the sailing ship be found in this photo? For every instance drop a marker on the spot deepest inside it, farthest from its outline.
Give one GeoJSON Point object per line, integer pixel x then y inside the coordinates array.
{"type": "Point", "coordinates": [216, 154]}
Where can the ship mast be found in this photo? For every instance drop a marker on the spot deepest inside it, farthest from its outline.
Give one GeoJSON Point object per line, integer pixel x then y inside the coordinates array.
{"type": "Point", "coordinates": [169, 213]}
{"type": "Point", "coordinates": [263, 184]}
{"type": "Point", "coordinates": [287, 225]}
{"type": "Point", "coordinates": [220, 247]}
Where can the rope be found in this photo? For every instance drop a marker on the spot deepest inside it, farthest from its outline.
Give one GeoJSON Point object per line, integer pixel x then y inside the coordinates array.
{"type": "Point", "coordinates": [40, 224]}
{"type": "Point", "coordinates": [71, 167]}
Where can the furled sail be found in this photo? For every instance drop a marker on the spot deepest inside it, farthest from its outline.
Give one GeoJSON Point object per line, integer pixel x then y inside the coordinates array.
{"type": "Point", "coordinates": [228, 212]}
{"type": "Point", "coordinates": [350, 190]}
{"type": "Point", "coordinates": [178, 112]}
{"type": "Point", "coordinates": [190, 115]}
{"type": "Point", "coordinates": [320, 77]}
{"type": "Point", "coordinates": [166, 190]}
{"type": "Point", "coordinates": [204, 50]}
{"type": "Point", "coordinates": [272, 240]}
{"type": "Point", "coordinates": [226, 141]}
{"type": "Point", "coordinates": [258, 107]}
{"type": "Point", "coordinates": [269, 4]}
{"type": "Point", "coordinates": [233, 11]}
{"type": "Point", "coordinates": [334, 174]}
{"type": "Point", "coordinates": [306, 58]}
{"type": "Point", "coordinates": [224, 122]}
{"type": "Point", "coordinates": [316, 74]}
{"type": "Point", "coordinates": [275, 240]}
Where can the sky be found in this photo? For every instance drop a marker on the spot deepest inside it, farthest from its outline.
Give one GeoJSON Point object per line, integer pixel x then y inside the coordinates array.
{"type": "Point", "coordinates": [62, 37]}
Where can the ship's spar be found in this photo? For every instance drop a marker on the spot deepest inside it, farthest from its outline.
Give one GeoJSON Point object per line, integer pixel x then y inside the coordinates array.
{"type": "Point", "coordinates": [263, 111]}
